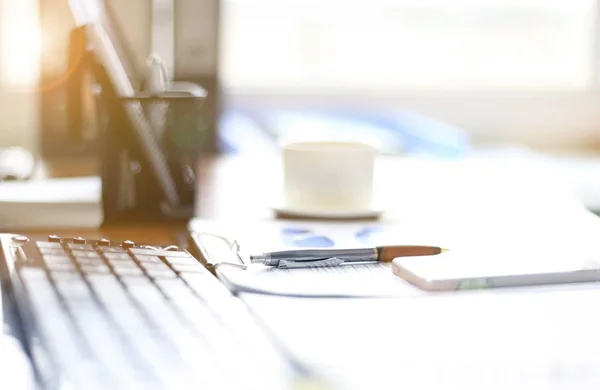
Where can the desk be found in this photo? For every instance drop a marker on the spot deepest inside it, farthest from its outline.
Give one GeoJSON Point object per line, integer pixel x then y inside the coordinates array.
{"type": "Point", "coordinates": [232, 187]}
{"type": "Point", "coordinates": [246, 188]}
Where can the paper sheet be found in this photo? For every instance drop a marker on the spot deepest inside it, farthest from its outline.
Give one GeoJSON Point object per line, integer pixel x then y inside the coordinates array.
{"type": "Point", "coordinates": [51, 203]}
{"type": "Point", "coordinates": [346, 280]}
{"type": "Point", "coordinates": [343, 281]}
{"type": "Point", "coordinates": [70, 190]}
{"type": "Point", "coordinates": [472, 340]}
{"type": "Point", "coordinates": [521, 241]}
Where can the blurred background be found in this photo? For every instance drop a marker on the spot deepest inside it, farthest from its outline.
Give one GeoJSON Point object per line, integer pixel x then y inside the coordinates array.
{"type": "Point", "coordinates": [435, 77]}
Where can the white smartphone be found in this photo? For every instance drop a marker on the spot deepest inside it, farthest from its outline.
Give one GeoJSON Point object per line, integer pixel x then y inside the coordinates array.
{"type": "Point", "coordinates": [462, 271]}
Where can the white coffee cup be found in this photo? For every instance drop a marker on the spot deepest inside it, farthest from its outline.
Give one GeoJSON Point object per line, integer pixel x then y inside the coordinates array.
{"type": "Point", "coordinates": [328, 176]}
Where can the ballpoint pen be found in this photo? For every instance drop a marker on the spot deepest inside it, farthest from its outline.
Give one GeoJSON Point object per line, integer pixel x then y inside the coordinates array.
{"type": "Point", "coordinates": [304, 258]}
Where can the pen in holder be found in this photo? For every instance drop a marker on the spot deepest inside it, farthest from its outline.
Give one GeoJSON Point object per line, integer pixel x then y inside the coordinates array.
{"type": "Point", "coordinates": [150, 146]}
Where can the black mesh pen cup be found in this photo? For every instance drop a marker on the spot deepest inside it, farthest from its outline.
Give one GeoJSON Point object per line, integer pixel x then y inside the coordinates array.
{"type": "Point", "coordinates": [150, 154]}
{"type": "Point", "coordinates": [183, 132]}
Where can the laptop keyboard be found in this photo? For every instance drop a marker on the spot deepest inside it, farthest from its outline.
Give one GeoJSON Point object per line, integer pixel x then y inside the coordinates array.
{"type": "Point", "coordinates": [122, 315]}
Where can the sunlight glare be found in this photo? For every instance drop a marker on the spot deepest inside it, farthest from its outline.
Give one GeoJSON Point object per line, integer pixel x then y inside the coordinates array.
{"type": "Point", "coordinates": [20, 43]}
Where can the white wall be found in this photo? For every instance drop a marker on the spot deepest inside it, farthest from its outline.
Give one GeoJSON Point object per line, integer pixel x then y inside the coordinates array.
{"type": "Point", "coordinates": [196, 37]}
{"type": "Point", "coordinates": [163, 33]}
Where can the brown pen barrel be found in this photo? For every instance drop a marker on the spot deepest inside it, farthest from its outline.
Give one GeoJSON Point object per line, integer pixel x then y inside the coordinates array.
{"type": "Point", "coordinates": [389, 253]}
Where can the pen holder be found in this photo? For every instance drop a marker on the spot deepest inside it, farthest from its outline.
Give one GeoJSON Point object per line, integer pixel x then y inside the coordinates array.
{"type": "Point", "coordinates": [177, 133]}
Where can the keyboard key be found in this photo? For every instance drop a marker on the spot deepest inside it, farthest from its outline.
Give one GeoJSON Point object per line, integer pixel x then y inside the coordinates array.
{"type": "Point", "coordinates": [52, 251]}
{"type": "Point", "coordinates": [72, 286]}
{"type": "Point", "coordinates": [82, 253]}
{"type": "Point", "coordinates": [150, 252]}
{"type": "Point", "coordinates": [159, 266]}
{"type": "Point", "coordinates": [182, 260]}
{"type": "Point", "coordinates": [119, 264]}
{"type": "Point", "coordinates": [129, 271]}
{"type": "Point", "coordinates": [95, 268]}
{"type": "Point", "coordinates": [196, 268]}
{"type": "Point", "coordinates": [81, 247]}
{"type": "Point", "coordinates": [56, 259]}
{"type": "Point", "coordinates": [206, 286]}
{"type": "Point", "coordinates": [148, 259]}
{"type": "Point", "coordinates": [117, 256]}
{"type": "Point", "coordinates": [161, 273]}
{"type": "Point", "coordinates": [46, 245]}
{"type": "Point", "coordinates": [62, 267]}
{"type": "Point", "coordinates": [88, 260]}
{"type": "Point", "coordinates": [113, 249]}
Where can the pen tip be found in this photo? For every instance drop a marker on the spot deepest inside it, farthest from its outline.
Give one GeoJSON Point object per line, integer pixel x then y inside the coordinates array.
{"type": "Point", "coordinates": [442, 250]}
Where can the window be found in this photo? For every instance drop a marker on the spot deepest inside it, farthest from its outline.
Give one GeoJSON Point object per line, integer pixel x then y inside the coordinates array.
{"type": "Point", "coordinates": [20, 44]}
{"type": "Point", "coordinates": [505, 70]}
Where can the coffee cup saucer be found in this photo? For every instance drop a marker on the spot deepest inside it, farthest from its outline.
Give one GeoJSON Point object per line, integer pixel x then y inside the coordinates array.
{"type": "Point", "coordinates": [370, 212]}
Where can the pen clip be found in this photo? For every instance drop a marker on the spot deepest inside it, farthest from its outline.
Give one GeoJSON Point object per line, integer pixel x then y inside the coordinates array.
{"type": "Point", "coordinates": [333, 261]}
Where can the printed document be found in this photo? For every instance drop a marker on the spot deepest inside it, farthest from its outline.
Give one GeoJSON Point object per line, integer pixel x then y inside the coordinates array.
{"type": "Point", "coordinates": [346, 280]}
{"type": "Point", "coordinates": [527, 241]}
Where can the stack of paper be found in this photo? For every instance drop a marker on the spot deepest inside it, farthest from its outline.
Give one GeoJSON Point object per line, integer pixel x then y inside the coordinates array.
{"type": "Point", "coordinates": [56, 203]}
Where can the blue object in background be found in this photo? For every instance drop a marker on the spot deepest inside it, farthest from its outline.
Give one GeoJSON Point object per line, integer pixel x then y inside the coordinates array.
{"type": "Point", "coordinates": [240, 133]}
{"type": "Point", "coordinates": [399, 133]}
